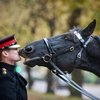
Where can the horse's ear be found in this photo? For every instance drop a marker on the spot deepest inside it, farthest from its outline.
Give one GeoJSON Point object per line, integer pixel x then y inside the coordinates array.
{"type": "Point", "coordinates": [89, 29]}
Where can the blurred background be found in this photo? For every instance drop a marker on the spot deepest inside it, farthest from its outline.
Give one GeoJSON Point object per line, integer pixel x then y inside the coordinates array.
{"type": "Point", "coordinates": [32, 20]}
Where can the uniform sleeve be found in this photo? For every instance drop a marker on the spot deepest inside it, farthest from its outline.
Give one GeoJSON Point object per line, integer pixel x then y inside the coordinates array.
{"type": "Point", "coordinates": [7, 89]}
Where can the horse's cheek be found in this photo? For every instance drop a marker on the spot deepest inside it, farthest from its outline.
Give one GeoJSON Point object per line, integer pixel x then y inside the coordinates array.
{"type": "Point", "coordinates": [63, 62]}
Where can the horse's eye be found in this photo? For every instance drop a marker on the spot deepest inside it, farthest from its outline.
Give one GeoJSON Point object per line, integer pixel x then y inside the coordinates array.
{"type": "Point", "coordinates": [28, 49]}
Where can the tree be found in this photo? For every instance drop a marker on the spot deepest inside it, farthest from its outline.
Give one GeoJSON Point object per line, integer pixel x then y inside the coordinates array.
{"type": "Point", "coordinates": [73, 20]}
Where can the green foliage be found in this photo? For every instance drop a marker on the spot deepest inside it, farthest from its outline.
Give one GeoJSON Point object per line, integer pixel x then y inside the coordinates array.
{"type": "Point", "coordinates": [31, 19]}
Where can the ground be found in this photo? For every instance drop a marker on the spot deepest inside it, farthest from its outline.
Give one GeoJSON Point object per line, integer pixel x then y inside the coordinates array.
{"type": "Point", "coordinates": [40, 96]}
{"type": "Point", "coordinates": [93, 89]}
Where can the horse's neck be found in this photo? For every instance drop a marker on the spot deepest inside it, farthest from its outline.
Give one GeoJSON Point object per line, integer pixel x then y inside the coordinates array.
{"type": "Point", "coordinates": [90, 64]}
{"type": "Point", "coordinates": [93, 48]}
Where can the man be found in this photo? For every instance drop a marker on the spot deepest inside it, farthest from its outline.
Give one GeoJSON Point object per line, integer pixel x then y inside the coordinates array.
{"type": "Point", "coordinates": [12, 84]}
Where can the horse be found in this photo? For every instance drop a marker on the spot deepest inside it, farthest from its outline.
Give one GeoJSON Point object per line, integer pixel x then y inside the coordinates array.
{"type": "Point", "coordinates": [76, 49]}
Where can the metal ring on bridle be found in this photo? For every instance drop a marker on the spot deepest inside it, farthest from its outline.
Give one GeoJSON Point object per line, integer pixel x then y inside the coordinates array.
{"type": "Point", "coordinates": [46, 58]}
{"type": "Point", "coordinates": [72, 48]}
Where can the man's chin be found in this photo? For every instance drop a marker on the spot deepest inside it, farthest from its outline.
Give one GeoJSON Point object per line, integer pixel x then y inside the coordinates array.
{"type": "Point", "coordinates": [18, 59]}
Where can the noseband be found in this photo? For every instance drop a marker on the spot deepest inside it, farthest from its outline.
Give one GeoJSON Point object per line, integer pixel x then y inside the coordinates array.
{"type": "Point", "coordinates": [48, 59]}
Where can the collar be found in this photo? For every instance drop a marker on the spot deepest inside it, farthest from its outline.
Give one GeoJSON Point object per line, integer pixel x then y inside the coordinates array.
{"type": "Point", "coordinates": [7, 66]}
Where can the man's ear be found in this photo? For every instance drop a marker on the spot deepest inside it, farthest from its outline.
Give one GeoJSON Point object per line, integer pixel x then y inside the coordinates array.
{"type": "Point", "coordinates": [5, 53]}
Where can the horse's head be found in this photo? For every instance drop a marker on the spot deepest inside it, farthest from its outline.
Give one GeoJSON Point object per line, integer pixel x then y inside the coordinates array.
{"type": "Point", "coordinates": [67, 51]}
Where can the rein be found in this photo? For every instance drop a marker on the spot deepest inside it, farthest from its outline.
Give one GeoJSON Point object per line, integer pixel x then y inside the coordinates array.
{"type": "Point", "coordinates": [60, 73]}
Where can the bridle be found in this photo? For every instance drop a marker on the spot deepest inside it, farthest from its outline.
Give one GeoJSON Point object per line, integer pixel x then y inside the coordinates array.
{"type": "Point", "coordinates": [83, 42]}
{"type": "Point", "coordinates": [48, 59]}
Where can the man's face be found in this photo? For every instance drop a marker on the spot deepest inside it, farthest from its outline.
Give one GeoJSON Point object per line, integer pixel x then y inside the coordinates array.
{"type": "Point", "coordinates": [12, 54]}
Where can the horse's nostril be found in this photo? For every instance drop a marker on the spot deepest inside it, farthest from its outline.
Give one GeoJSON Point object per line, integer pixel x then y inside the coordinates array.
{"type": "Point", "coordinates": [28, 49]}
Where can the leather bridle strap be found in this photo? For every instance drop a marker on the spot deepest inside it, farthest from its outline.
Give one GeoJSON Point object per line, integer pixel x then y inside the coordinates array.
{"type": "Point", "coordinates": [84, 43]}
{"type": "Point", "coordinates": [79, 37]}
{"type": "Point", "coordinates": [48, 46]}
{"type": "Point", "coordinates": [63, 76]}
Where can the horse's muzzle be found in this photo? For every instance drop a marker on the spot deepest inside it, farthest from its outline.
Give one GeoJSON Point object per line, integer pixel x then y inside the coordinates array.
{"type": "Point", "coordinates": [21, 53]}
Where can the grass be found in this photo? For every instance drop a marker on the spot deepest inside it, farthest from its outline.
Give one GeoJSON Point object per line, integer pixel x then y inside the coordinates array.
{"type": "Point", "coordinates": [40, 96]}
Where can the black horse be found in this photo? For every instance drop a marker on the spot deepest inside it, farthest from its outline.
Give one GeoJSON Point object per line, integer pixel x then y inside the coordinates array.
{"type": "Point", "coordinates": [74, 49]}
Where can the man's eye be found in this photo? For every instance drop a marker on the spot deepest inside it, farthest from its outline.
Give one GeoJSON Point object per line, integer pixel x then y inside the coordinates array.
{"type": "Point", "coordinates": [13, 49]}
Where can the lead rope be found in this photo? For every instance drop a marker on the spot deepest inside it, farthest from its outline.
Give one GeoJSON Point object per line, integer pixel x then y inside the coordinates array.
{"type": "Point", "coordinates": [70, 82]}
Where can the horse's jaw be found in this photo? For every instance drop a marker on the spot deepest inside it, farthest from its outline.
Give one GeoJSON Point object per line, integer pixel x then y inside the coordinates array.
{"type": "Point", "coordinates": [31, 62]}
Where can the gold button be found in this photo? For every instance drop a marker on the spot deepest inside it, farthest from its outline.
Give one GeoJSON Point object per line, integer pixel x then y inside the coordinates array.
{"type": "Point", "coordinates": [4, 70]}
